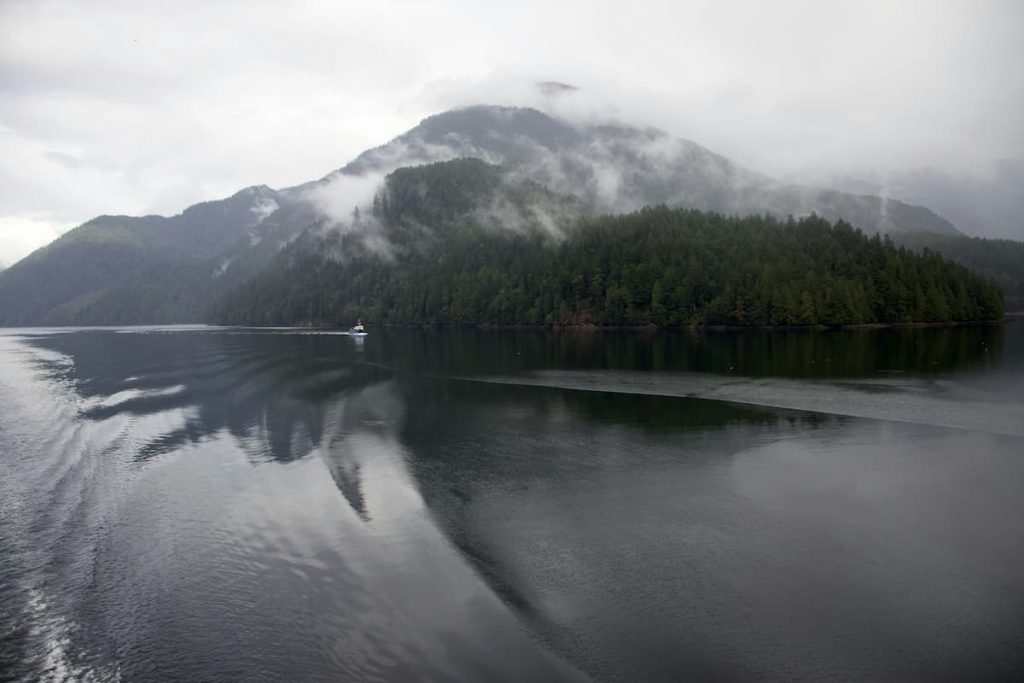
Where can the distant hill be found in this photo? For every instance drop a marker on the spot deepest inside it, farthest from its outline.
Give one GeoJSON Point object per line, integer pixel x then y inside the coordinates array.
{"type": "Point", "coordinates": [154, 269]}
{"type": "Point", "coordinates": [127, 270]}
{"type": "Point", "coordinates": [989, 203]}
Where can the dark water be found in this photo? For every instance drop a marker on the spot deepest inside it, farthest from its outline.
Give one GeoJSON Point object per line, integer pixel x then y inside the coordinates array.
{"type": "Point", "coordinates": [203, 504]}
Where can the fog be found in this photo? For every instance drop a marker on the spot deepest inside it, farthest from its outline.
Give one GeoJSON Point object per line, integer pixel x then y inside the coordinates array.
{"type": "Point", "coordinates": [122, 107]}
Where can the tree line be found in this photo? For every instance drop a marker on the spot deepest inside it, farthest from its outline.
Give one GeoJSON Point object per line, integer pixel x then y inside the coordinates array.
{"type": "Point", "coordinates": [659, 266]}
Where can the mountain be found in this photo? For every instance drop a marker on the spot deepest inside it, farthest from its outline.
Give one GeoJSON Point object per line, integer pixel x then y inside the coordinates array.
{"type": "Point", "coordinates": [619, 168]}
{"type": "Point", "coordinates": [464, 242]}
{"type": "Point", "coordinates": [154, 269]}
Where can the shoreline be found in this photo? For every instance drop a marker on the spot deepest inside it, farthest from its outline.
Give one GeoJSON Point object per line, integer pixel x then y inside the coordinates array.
{"type": "Point", "coordinates": [578, 327]}
{"type": "Point", "coordinates": [591, 327]}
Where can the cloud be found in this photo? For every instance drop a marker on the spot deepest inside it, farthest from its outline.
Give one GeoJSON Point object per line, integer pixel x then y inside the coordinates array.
{"type": "Point", "coordinates": [341, 196]}
{"type": "Point", "coordinates": [263, 208]}
{"type": "Point", "coordinates": [115, 106]}
{"type": "Point", "coordinates": [21, 234]}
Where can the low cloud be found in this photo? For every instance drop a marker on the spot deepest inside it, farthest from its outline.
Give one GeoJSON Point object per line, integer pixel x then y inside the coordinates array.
{"type": "Point", "coordinates": [264, 208]}
{"type": "Point", "coordinates": [341, 197]}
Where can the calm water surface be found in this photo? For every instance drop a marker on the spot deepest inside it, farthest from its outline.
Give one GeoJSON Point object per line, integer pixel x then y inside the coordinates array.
{"type": "Point", "coordinates": [224, 504]}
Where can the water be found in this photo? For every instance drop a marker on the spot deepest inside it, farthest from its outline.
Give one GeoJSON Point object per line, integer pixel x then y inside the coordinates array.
{"type": "Point", "coordinates": [219, 504]}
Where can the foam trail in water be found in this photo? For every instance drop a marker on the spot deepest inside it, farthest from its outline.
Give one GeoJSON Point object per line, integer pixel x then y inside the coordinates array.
{"type": "Point", "coordinates": [936, 403]}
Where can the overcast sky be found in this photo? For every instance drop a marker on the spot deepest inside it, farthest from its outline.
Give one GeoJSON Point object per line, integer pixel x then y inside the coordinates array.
{"type": "Point", "coordinates": [137, 107]}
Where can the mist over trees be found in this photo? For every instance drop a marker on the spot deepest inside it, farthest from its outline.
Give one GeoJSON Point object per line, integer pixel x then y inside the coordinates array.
{"type": "Point", "coordinates": [656, 266]}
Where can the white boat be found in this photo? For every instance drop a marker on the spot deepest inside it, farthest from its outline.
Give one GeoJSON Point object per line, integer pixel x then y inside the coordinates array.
{"type": "Point", "coordinates": [357, 330]}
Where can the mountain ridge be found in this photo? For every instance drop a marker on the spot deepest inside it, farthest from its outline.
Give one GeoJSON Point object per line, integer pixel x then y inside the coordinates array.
{"type": "Point", "coordinates": [618, 168]}
{"type": "Point", "coordinates": [112, 264]}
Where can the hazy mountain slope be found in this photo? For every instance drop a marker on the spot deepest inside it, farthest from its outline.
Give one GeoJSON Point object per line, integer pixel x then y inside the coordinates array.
{"type": "Point", "coordinates": [415, 213]}
{"type": "Point", "coordinates": [618, 168]}
{"type": "Point", "coordinates": [986, 204]}
{"type": "Point", "coordinates": [153, 269]}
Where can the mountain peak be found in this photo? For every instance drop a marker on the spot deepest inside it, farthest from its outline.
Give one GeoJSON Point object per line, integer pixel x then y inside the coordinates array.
{"type": "Point", "coordinates": [255, 190]}
{"type": "Point", "coordinates": [616, 167]}
{"type": "Point", "coordinates": [555, 88]}
{"type": "Point", "coordinates": [482, 122]}
{"type": "Point", "coordinates": [492, 133]}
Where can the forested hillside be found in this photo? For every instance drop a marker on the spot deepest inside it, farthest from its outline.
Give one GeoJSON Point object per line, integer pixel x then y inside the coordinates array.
{"type": "Point", "coordinates": [123, 270]}
{"type": "Point", "coordinates": [444, 263]}
{"type": "Point", "coordinates": [1002, 261]}
{"type": "Point", "coordinates": [136, 270]}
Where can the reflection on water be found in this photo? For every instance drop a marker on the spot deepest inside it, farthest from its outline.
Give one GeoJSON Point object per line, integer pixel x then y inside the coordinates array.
{"type": "Point", "coordinates": [795, 354]}
{"type": "Point", "coordinates": [211, 504]}
{"type": "Point", "coordinates": [268, 391]}
{"type": "Point", "coordinates": [747, 542]}
{"type": "Point", "coordinates": [203, 523]}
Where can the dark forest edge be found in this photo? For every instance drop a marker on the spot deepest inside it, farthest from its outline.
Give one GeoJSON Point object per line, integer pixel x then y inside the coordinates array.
{"type": "Point", "coordinates": [1000, 260]}
{"type": "Point", "coordinates": [658, 266]}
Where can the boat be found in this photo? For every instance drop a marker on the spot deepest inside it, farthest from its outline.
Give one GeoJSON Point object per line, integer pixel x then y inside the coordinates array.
{"type": "Point", "coordinates": [357, 330]}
